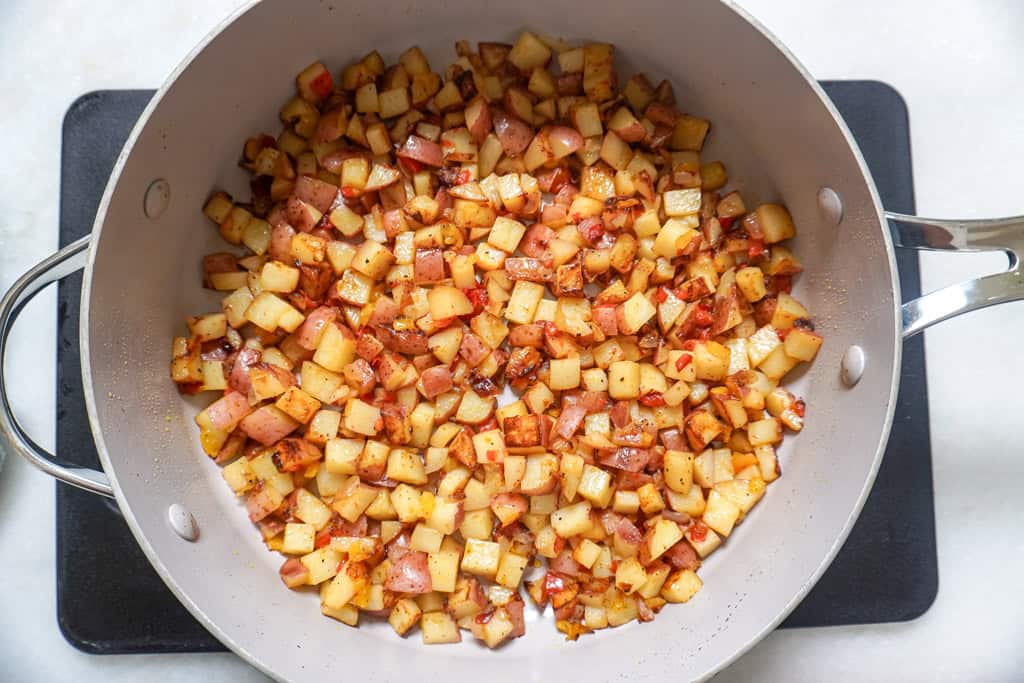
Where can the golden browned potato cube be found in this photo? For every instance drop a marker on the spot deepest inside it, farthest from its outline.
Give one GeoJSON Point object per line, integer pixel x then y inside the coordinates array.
{"type": "Point", "coordinates": [630, 575]}
{"type": "Point", "coordinates": [404, 615]}
{"type": "Point", "coordinates": [689, 133]}
{"type": "Point", "coordinates": [681, 586]}
{"type": "Point", "coordinates": [674, 237]}
{"type": "Point", "coordinates": [776, 223]}
{"type": "Point", "coordinates": [802, 344]}
{"type": "Point", "coordinates": [711, 361]}
{"type": "Point", "coordinates": [598, 71]}
{"type": "Point", "coordinates": [571, 520]}
{"type": "Point", "coordinates": [297, 404]}
{"type": "Point", "coordinates": [529, 52]}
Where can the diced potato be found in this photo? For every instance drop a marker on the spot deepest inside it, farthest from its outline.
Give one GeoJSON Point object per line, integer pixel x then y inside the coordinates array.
{"type": "Point", "coordinates": [489, 446]}
{"type": "Point", "coordinates": [529, 53]}
{"type": "Point", "coordinates": [802, 344]}
{"type": "Point", "coordinates": [443, 565]}
{"type": "Point", "coordinates": [298, 539]}
{"type": "Point", "coordinates": [510, 570]}
{"type": "Point", "coordinates": [761, 344]}
{"type": "Point", "coordinates": [448, 302]}
{"type": "Point", "coordinates": [777, 363]}
{"type": "Point", "coordinates": [751, 283]}
{"type": "Point", "coordinates": [624, 379]}
{"type": "Point", "coordinates": [595, 486]}
{"type": "Point", "coordinates": [720, 514]}
{"type": "Point", "coordinates": [681, 202]}
{"type": "Point", "coordinates": [322, 564]}
{"type": "Point", "coordinates": [361, 417]}
{"type": "Point", "coordinates": [481, 557]}
{"type": "Point", "coordinates": [350, 579]}
{"type": "Point", "coordinates": [406, 466]}
{"type": "Point", "coordinates": [239, 476]}
{"type": "Point", "coordinates": [630, 575]}
{"type": "Point", "coordinates": [775, 222]}
{"type": "Point", "coordinates": [681, 586]}
{"type": "Point", "coordinates": [311, 510]}
{"type": "Point", "coordinates": [634, 313]}
{"type": "Point", "coordinates": [664, 535]}
{"type": "Point", "coordinates": [439, 628]}
{"type": "Point", "coordinates": [404, 615]}
{"type": "Point", "coordinates": [678, 470]}
{"type": "Point", "coordinates": [571, 520]}
{"type": "Point", "coordinates": [564, 373]}
{"type": "Point", "coordinates": [764, 432]}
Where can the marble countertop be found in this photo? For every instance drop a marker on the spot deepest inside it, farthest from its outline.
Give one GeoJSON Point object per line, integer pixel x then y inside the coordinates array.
{"type": "Point", "coordinates": [957, 65]}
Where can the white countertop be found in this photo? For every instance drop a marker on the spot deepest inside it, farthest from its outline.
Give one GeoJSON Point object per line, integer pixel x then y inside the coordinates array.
{"type": "Point", "coordinates": [958, 66]}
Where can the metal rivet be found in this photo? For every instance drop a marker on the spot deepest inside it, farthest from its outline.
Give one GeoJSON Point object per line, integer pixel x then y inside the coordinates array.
{"type": "Point", "coordinates": [851, 368]}
{"type": "Point", "coordinates": [830, 205]}
{"type": "Point", "coordinates": [157, 199]}
{"type": "Point", "coordinates": [183, 523]}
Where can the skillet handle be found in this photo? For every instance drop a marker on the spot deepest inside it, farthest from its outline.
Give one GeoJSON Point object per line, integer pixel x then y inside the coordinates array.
{"type": "Point", "coordinates": [996, 234]}
{"type": "Point", "coordinates": [56, 267]}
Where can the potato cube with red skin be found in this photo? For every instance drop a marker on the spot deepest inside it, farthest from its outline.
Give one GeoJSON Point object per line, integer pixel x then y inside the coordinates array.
{"type": "Point", "coordinates": [775, 222]}
{"type": "Point", "coordinates": [634, 313]}
{"type": "Point", "coordinates": [541, 474]}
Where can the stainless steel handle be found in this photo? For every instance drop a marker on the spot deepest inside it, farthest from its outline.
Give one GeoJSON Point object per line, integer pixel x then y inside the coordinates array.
{"type": "Point", "coordinates": [65, 262]}
{"type": "Point", "coordinates": [995, 234]}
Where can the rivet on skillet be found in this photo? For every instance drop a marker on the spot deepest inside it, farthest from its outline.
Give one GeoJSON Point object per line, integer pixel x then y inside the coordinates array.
{"type": "Point", "coordinates": [852, 366]}
{"type": "Point", "coordinates": [157, 198]}
{"type": "Point", "coordinates": [182, 522]}
{"type": "Point", "coordinates": [830, 205]}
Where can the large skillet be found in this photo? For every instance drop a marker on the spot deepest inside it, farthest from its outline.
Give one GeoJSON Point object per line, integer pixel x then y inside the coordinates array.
{"type": "Point", "coordinates": [781, 138]}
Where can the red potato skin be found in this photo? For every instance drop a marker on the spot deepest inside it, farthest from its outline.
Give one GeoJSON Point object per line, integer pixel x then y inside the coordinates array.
{"type": "Point", "coordinates": [428, 266]}
{"type": "Point", "coordinates": [478, 119]}
{"type": "Point", "coordinates": [228, 410]}
{"type": "Point", "coordinates": [238, 377]}
{"type": "Point", "coordinates": [473, 350]}
{"type": "Point", "coordinates": [316, 192]}
{"type": "Point", "coordinates": [310, 332]}
{"type": "Point", "coordinates": [281, 242]}
{"type": "Point", "coordinates": [409, 574]}
{"type": "Point", "coordinates": [436, 380]}
{"type": "Point", "coordinates": [267, 426]}
{"type": "Point", "coordinates": [513, 134]}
